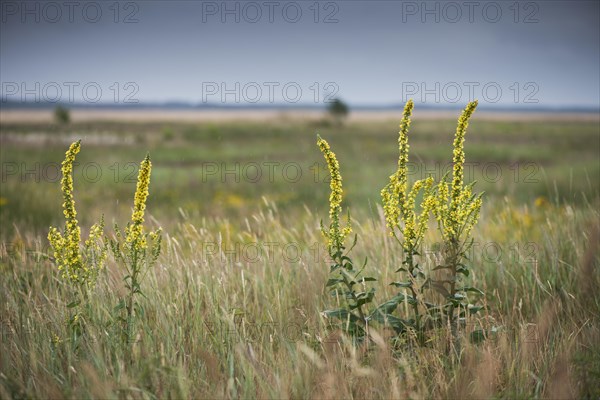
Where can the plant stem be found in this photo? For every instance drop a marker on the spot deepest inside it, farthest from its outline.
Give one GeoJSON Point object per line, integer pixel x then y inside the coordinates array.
{"type": "Point", "coordinates": [130, 312]}
{"type": "Point", "coordinates": [415, 306]}
{"type": "Point", "coordinates": [453, 270]}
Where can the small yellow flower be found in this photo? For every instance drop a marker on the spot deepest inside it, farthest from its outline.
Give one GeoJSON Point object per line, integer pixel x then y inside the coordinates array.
{"type": "Point", "coordinates": [154, 235]}
{"type": "Point", "coordinates": [541, 202]}
{"type": "Point", "coordinates": [3, 201]}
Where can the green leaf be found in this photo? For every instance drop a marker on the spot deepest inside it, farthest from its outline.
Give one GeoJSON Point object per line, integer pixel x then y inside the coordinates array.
{"type": "Point", "coordinates": [367, 279]}
{"type": "Point", "coordinates": [119, 306]}
{"type": "Point", "coordinates": [74, 304]}
{"type": "Point", "coordinates": [410, 300]}
{"type": "Point", "coordinates": [471, 289]}
{"type": "Point", "coordinates": [398, 324]}
{"type": "Point", "coordinates": [139, 309]}
{"type": "Point", "coordinates": [346, 258]}
{"type": "Point", "coordinates": [401, 284]}
{"type": "Point", "coordinates": [389, 306]}
{"type": "Point", "coordinates": [333, 281]}
{"type": "Point", "coordinates": [474, 309]}
{"type": "Point", "coordinates": [347, 277]}
{"type": "Point", "coordinates": [357, 304]}
{"type": "Point", "coordinates": [342, 314]}
{"type": "Point", "coordinates": [355, 236]}
{"type": "Point", "coordinates": [364, 298]}
{"type": "Point", "coordinates": [417, 273]}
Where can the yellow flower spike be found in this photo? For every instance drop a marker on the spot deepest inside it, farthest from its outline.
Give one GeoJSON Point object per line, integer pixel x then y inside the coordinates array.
{"type": "Point", "coordinates": [74, 266]}
{"type": "Point", "coordinates": [460, 196]}
{"type": "Point", "coordinates": [403, 147]}
{"type": "Point", "coordinates": [66, 247]}
{"type": "Point", "coordinates": [398, 206]}
{"type": "Point", "coordinates": [135, 230]}
{"type": "Point", "coordinates": [335, 234]}
{"type": "Point", "coordinates": [394, 193]}
{"type": "Point", "coordinates": [73, 233]}
{"type": "Point", "coordinates": [473, 214]}
{"type": "Point", "coordinates": [458, 158]}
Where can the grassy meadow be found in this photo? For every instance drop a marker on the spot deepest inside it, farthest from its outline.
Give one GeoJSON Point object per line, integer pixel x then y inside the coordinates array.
{"type": "Point", "coordinates": [232, 309]}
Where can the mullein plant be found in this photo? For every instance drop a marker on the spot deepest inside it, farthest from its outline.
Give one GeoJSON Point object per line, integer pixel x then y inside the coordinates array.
{"type": "Point", "coordinates": [347, 284]}
{"type": "Point", "coordinates": [456, 210]}
{"type": "Point", "coordinates": [78, 265]}
{"type": "Point", "coordinates": [138, 251]}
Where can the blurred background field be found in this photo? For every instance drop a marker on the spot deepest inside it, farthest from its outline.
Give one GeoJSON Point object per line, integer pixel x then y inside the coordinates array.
{"type": "Point", "coordinates": [225, 166]}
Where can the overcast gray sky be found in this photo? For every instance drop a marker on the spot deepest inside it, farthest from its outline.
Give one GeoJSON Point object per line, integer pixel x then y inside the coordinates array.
{"type": "Point", "coordinates": [536, 53]}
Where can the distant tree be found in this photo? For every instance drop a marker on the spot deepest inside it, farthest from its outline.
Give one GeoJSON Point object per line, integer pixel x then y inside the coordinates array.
{"type": "Point", "coordinates": [62, 115]}
{"type": "Point", "coordinates": [338, 110]}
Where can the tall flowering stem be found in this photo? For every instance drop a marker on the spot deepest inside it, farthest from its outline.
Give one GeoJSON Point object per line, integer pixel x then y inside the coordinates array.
{"type": "Point", "coordinates": [78, 265]}
{"type": "Point", "coordinates": [135, 251]}
{"type": "Point", "coordinates": [346, 280]}
{"type": "Point", "coordinates": [457, 211]}
{"type": "Point", "coordinates": [402, 220]}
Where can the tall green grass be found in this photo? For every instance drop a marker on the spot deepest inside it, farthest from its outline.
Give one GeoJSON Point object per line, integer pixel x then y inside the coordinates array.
{"type": "Point", "coordinates": [232, 309]}
{"type": "Point", "coordinates": [222, 322]}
